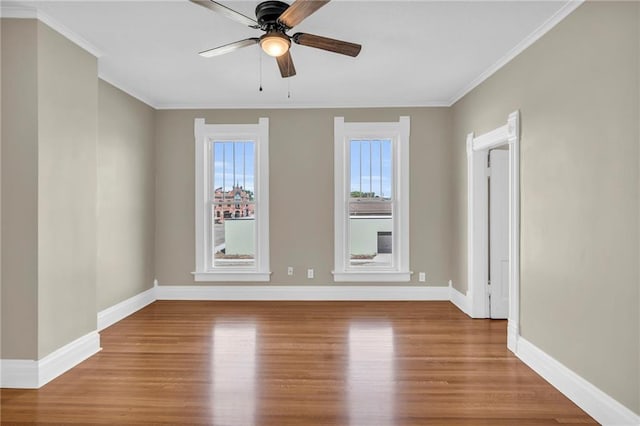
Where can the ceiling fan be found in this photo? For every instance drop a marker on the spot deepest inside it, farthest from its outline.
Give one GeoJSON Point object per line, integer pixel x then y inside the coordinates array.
{"type": "Point", "coordinates": [275, 18]}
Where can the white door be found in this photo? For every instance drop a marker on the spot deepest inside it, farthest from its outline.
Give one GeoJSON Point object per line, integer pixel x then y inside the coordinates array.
{"type": "Point", "coordinates": [499, 233]}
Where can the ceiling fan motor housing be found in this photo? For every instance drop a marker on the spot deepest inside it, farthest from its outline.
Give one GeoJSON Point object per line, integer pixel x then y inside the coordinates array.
{"type": "Point", "coordinates": [275, 18]}
{"type": "Point", "coordinates": [268, 13]}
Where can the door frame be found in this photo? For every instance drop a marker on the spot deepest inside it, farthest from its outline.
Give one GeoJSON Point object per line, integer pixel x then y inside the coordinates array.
{"type": "Point", "coordinates": [478, 222]}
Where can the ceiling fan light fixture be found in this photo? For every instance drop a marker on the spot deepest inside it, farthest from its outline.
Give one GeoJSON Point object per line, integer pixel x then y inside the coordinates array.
{"type": "Point", "coordinates": [275, 18]}
{"type": "Point", "coordinates": [275, 43]}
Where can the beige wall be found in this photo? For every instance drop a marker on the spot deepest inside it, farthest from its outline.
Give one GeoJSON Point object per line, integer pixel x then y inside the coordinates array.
{"type": "Point", "coordinates": [19, 189]}
{"type": "Point", "coordinates": [49, 218]}
{"type": "Point", "coordinates": [125, 196]}
{"type": "Point", "coordinates": [57, 180]}
{"type": "Point", "coordinates": [67, 132]}
{"type": "Point", "coordinates": [301, 165]}
{"type": "Point", "coordinates": [0, 189]}
{"type": "Point", "coordinates": [577, 90]}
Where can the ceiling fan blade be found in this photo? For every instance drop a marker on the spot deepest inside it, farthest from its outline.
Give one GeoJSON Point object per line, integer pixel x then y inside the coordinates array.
{"type": "Point", "coordinates": [325, 43]}
{"type": "Point", "coordinates": [300, 10]}
{"type": "Point", "coordinates": [229, 13]}
{"type": "Point", "coordinates": [227, 48]}
{"type": "Point", "coordinates": [285, 63]}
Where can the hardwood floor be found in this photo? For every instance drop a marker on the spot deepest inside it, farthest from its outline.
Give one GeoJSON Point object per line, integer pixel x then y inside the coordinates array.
{"type": "Point", "coordinates": [298, 363]}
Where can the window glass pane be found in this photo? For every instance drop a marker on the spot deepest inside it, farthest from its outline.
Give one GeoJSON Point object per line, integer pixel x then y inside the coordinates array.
{"type": "Point", "coordinates": [370, 233]}
{"type": "Point", "coordinates": [233, 204]}
{"type": "Point", "coordinates": [370, 206]}
{"type": "Point", "coordinates": [355, 168]}
{"type": "Point", "coordinates": [371, 169]}
{"type": "Point", "coordinates": [387, 170]}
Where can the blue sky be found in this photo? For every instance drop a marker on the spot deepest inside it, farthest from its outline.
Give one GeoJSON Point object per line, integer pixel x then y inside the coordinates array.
{"type": "Point", "coordinates": [371, 166]}
{"type": "Point", "coordinates": [224, 161]}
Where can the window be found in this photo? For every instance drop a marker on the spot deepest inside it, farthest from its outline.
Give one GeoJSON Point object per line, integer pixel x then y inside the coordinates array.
{"type": "Point", "coordinates": [232, 201]}
{"type": "Point", "coordinates": [371, 201]}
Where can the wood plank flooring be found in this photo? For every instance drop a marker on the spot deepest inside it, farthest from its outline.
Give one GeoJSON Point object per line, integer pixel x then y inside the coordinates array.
{"type": "Point", "coordinates": [298, 363]}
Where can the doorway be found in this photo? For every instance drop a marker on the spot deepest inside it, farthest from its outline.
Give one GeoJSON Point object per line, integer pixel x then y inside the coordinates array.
{"type": "Point", "coordinates": [498, 274]}
{"type": "Point", "coordinates": [505, 267]}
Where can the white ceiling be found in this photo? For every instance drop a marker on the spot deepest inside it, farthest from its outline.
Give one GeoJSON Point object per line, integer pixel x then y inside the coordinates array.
{"type": "Point", "coordinates": [415, 53]}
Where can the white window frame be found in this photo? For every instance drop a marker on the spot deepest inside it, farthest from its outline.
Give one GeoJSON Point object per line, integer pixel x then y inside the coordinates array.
{"type": "Point", "coordinates": [399, 133]}
{"type": "Point", "coordinates": [205, 134]}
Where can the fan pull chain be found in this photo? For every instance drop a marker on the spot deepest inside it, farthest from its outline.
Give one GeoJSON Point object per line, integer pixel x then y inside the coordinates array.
{"type": "Point", "coordinates": [260, 66]}
{"type": "Point", "coordinates": [289, 81]}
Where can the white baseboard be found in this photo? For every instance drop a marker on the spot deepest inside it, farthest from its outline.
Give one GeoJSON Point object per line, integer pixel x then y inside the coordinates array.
{"type": "Point", "coordinates": [115, 313]}
{"type": "Point", "coordinates": [603, 408]}
{"type": "Point", "coordinates": [460, 300]}
{"type": "Point", "coordinates": [30, 374]}
{"type": "Point", "coordinates": [34, 374]}
{"type": "Point", "coordinates": [67, 357]}
{"type": "Point", "coordinates": [327, 292]}
{"type": "Point", "coordinates": [512, 336]}
{"type": "Point", "coordinates": [19, 373]}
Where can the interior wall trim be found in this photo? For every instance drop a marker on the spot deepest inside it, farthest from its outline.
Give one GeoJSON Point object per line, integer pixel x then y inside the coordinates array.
{"type": "Point", "coordinates": [326, 292]}
{"type": "Point", "coordinates": [18, 11]}
{"type": "Point", "coordinates": [478, 148]}
{"type": "Point", "coordinates": [461, 300]}
{"type": "Point", "coordinates": [599, 405]}
{"type": "Point", "coordinates": [554, 20]}
{"type": "Point", "coordinates": [19, 373]}
{"type": "Point", "coordinates": [25, 12]}
{"type": "Point", "coordinates": [32, 374]}
{"type": "Point", "coordinates": [119, 311]}
{"type": "Point", "coordinates": [115, 82]}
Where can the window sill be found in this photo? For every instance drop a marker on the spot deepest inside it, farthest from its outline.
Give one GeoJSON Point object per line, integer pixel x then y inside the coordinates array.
{"type": "Point", "coordinates": [379, 276]}
{"type": "Point", "coordinates": [231, 276]}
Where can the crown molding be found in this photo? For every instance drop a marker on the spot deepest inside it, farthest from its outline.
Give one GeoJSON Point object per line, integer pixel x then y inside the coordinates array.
{"type": "Point", "coordinates": [23, 12]}
{"type": "Point", "coordinates": [302, 106]}
{"type": "Point", "coordinates": [18, 12]}
{"type": "Point", "coordinates": [125, 88]}
{"type": "Point", "coordinates": [554, 20]}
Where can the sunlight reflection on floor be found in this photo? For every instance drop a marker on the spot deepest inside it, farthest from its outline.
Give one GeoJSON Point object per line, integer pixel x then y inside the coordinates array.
{"type": "Point", "coordinates": [371, 373]}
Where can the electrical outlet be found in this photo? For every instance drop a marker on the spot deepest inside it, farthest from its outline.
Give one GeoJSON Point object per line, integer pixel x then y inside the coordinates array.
{"type": "Point", "coordinates": [310, 273]}
{"type": "Point", "coordinates": [290, 270]}
{"type": "Point", "coordinates": [422, 277]}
